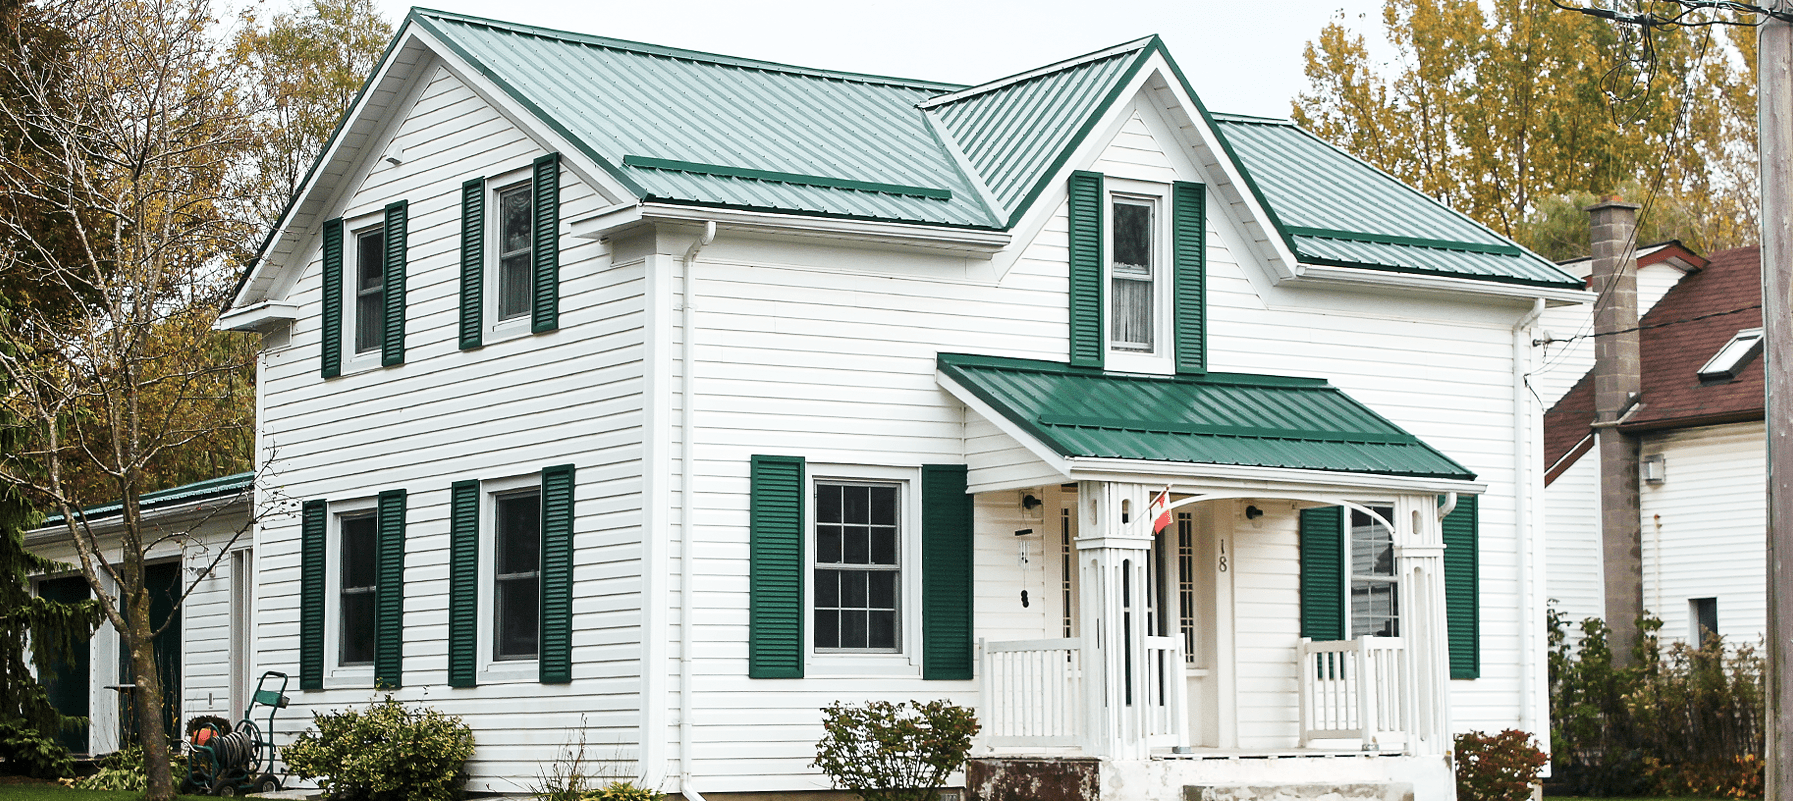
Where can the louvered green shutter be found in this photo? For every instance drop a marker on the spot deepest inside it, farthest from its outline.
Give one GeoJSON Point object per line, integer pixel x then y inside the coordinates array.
{"type": "Point", "coordinates": [389, 596]}
{"type": "Point", "coordinates": [946, 557]}
{"type": "Point", "coordinates": [473, 262]}
{"type": "Point", "coordinates": [463, 583]}
{"type": "Point", "coordinates": [545, 247]}
{"type": "Point", "coordinates": [775, 575]}
{"type": "Point", "coordinates": [330, 339]}
{"type": "Point", "coordinates": [1462, 575]}
{"type": "Point", "coordinates": [392, 339]}
{"type": "Point", "coordinates": [1087, 346]}
{"type": "Point", "coordinates": [555, 658]}
{"type": "Point", "coordinates": [1323, 573]}
{"type": "Point", "coordinates": [313, 533]}
{"type": "Point", "coordinates": [1189, 243]}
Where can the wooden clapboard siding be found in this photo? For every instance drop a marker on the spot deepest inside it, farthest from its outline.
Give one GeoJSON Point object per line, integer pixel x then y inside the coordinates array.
{"type": "Point", "coordinates": [521, 403]}
{"type": "Point", "coordinates": [1575, 568]}
{"type": "Point", "coordinates": [1703, 528]}
{"type": "Point", "coordinates": [1267, 621]}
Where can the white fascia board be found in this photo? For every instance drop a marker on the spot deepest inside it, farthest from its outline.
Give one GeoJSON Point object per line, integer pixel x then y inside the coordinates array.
{"type": "Point", "coordinates": [931, 238]}
{"type": "Point", "coordinates": [1269, 479]}
{"type": "Point", "coordinates": [259, 317]}
{"type": "Point", "coordinates": [400, 68]}
{"type": "Point", "coordinates": [1040, 450]}
{"type": "Point", "coordinates": [196, 511]}
{"type": "Point", "coordinates": [1408, 282]}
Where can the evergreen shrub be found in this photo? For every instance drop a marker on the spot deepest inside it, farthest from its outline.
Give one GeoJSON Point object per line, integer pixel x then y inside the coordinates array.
{"type": "Point", "coordinates": [386, 752]}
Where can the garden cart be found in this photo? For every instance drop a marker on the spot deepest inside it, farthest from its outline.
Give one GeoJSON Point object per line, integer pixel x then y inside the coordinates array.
{"type": "Point", "coordinates": [234, 761]}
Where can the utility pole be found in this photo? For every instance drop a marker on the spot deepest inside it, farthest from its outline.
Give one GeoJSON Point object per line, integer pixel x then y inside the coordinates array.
{"type": "Point", "coordinates": [1774, 94]}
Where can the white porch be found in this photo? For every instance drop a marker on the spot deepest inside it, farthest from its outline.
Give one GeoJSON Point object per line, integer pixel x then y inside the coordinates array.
{"type": "Point", "coordinates": [1168, 656]}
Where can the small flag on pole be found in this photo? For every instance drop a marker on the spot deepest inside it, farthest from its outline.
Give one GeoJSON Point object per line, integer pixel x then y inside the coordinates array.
{"type": "Point", "coordinates": [1161, 511]}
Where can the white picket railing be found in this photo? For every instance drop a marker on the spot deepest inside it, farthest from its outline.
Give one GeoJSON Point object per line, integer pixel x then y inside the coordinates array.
{"type": "Point", "coordinates": [1354, 689]}
{"type": "Point", "coordinates": [1166, 705]}
{"type": "Point", "coordinates": [1032, 692]}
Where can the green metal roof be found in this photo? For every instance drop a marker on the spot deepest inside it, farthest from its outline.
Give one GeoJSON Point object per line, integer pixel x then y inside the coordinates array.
{"type": "Point", "coordinates": [1220, 418]}
{"type": "Point", "coordinates": [681, 126]}
{"type": "Point", "coordinates": [1336, 209]}
{"type": "Point", "coordinates": [198, 490]}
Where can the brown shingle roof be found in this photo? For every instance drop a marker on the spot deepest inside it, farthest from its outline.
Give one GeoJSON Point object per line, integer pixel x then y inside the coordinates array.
{"type": "Point", "coordinates": [1684, 330]}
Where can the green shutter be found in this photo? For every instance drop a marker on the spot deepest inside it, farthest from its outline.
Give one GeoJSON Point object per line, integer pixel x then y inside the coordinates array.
{"type": "Point", "coordinates": [313, 527]}
{"type": "Point", "coordinates": [775, 572]}
{"type": "Point", "coordinates": [330, 339]}
{"type": "Point", "coordinates": [946, 557]}
{"type": "Point", "coordinates": [1087, 342]}
{"type": "Point", "coordinates": [392, 339]}
{"type": "Point", "coordinates": [463, 583]}
{"type": "Point", "coordinates": [1463, 616]}
{"type": "Point", "coordinates": [555, 658]}
{"type": "Point", "coordinates": [1323, 573]}
{"type": "Point", "coordinates": [1189, 206]}
{"type": "Point", "coordinates": [545, 230]}
{"type": "Point", "coordinates": [389, 597]}
{"type": "Point", "coordinates": [473, 262]}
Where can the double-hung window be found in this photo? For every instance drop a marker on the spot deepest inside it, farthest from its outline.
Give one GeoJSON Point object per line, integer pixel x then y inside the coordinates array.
{"type": "Point", "coordinates": [1132, 275]}
{"type": "Point", "coordinates": [1375, 597]}
{"type": "Point", "coordinates": [857, 567]}
{"type": "Point", "coordinates": [1138, 274]}
{"type": "Point", "coordinates": [370, 288]}
{"type": "Point", "coordinates": [515, 267]}
{"type": "Point", "coordinates": [357, 587]}
{"type": "Point", "coordinates": [516, 575]}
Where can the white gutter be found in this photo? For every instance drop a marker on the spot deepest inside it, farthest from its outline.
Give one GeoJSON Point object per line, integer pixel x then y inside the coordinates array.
{"type": "Point", "coordinates": [1527, 486]}
{"type": "Point", "coordinates": [688, 508]}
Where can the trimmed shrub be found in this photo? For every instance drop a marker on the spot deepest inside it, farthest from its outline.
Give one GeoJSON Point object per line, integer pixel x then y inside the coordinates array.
{"type": "Point", "coordinates": [1497, 767]}
{"type": "Point", "coordinates": [386, 752]}
{"type": "Point", "coordinates": [894, 752]}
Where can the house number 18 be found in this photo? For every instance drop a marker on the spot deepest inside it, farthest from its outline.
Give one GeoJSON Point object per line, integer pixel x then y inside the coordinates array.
{"type": "Point", "coordinates": [1222, 562]}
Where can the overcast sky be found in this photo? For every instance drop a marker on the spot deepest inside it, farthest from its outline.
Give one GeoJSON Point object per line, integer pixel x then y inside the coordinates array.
{"type": "Point", "coordinates": [1242, 56]}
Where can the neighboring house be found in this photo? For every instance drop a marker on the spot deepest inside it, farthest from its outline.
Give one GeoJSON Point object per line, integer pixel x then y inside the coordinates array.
{"type": "Point", "coordinates": [202, 542]}
{"type": "Point", "coordinates": [673, 396]}
{"type": "Point", "coordinates": [1701, 481]}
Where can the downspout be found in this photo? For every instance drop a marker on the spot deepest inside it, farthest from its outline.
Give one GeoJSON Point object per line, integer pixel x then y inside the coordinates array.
{"type": "Point", "coordinates": [688, 506]}
{"type": "Point", "coordinates": [1525, 526]}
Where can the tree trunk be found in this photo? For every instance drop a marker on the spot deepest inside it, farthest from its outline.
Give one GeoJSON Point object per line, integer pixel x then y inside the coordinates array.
{"type": "Point", "coordinates": [152, 727]}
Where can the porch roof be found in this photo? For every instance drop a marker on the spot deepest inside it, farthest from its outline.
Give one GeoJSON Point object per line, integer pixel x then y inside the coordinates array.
{"type": "Point", "coordinates": [1220, 418]}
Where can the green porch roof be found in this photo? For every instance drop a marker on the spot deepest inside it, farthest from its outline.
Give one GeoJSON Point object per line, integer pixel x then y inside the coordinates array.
{"type": "Point", "coordinates": [680, 126]}
{"type": "Point", "coordinates": [233, 484]}
{"type": "Point", "coordinates": [1219, 418]}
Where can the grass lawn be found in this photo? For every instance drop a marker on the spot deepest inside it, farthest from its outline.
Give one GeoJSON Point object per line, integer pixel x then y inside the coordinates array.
{"type": "Point", "coordinates": [37, 791]}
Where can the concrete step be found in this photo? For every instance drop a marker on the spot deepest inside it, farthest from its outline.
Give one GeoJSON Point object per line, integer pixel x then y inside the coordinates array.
{"type": "Point", "coordinates": [1369, 791]}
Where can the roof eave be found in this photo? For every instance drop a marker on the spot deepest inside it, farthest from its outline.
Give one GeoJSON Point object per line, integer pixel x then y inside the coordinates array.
{"type": "Point", "coordinates": [1387, 278]}
{"type": "Point", "coordinates": [112, 523]}
{"type": "Point", "coordinates": [1268, 479]}
{"type": "Point", "coordinates": [970, 241]}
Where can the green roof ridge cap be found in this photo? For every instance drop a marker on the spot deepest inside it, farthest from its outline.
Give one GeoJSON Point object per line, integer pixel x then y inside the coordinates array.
{"type": "Point", "coordinates": [681, 53]}
{"type": "Point", "coordinates": [1253, 119]}
{"type": "Point", "coordinates": [1102, 54]}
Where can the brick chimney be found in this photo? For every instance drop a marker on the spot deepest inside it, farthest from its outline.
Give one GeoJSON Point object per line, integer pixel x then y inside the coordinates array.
{"type": "Point", "coordinates": [1617, 382]}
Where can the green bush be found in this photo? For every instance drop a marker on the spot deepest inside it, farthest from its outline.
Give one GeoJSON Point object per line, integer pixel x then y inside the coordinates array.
{"type": "Point", "coordinates": [123, 770]}
{"type": "Point", "coordinates": [894, 752]}
{"type": "Point", "coordinates": [1497, 767]}
{"type": "Point", "coordinates": [25, 751]}
{"type": "Point", "coordinates": [386, 752]}
{"type": "Point", "coordinates": [622, 791]}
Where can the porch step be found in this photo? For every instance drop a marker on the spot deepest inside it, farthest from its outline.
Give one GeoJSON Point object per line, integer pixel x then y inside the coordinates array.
{"type": "Point", "coordinates": [1378, 791]}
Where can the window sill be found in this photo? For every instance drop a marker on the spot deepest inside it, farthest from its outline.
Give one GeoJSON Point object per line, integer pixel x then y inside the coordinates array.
{"type": "Point", "coordinates": [350, 678]}
{"type": "Point", "coordinates": [520, 671]}
{"type": "Point", "coordinates": [361, 362]}
{"type": "Point", "coordinates": [859, 665]}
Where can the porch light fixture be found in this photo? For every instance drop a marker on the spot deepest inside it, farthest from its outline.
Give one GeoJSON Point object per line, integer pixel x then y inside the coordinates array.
{"type": "Point", "coordinates": [1253, 513]}
{"type": "Point", "coordinates": [1654, 468]}
{"type": "Point", "coordinates": [1030, 503]}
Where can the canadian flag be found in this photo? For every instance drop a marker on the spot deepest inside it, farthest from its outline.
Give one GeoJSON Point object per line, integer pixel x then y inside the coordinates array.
{"type": "Point", "coordinates": [1161, 511]}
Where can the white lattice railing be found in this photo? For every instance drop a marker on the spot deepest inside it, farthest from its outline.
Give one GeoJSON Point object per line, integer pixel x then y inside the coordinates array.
{"type": "Point", "coordinates": [1354, 689]}
{"type": "Point", "coordinates": [1032, 692]}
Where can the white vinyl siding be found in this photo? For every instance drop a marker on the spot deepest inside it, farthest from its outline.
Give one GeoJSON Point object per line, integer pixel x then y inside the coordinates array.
{"type": "Point", "coordinates": [1575, 586]}
{"type": "Point", "coordinates": [1703, 528]}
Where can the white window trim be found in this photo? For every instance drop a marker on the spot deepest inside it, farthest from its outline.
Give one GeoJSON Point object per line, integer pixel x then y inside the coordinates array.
{"type": "Point", "coordinates": [352, 228]}
{"type": "Point", "coordinates": [491, 670]}
{"type": "Point", "coordinates": [1729, 361]}
{"type": "Point", "coordinates": [497, 330]}
{"type": "Point", "coordinates": [337, 674]}
{"type": "Point", "coordinates": [1162, 359]}
{"type": "Point", "coordinates": [907, 661]}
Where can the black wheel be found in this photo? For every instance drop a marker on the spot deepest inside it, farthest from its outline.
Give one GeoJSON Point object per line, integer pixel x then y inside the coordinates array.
{"type": "Point", "coordinates": [267, 784]}
{"type": "Point", "coordinates": [225, 790]}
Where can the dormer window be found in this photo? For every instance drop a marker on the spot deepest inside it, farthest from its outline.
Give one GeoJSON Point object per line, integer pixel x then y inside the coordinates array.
{"type": "Point", "coordinates": [1730, 360]}
{"type": "Point", "coordinates": [1137, 273]}
{"type": "Point", "coordinates": [1131, 318]}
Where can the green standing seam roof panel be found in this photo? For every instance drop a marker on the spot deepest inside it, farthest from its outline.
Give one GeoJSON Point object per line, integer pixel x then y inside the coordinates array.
{"type": "Point", "coordinates": [198, 490]}
{"type": "Point", "coordinates": [1219, 418]}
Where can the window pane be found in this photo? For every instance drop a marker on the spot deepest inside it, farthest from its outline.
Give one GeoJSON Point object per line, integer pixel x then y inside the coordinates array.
{"type": "Point", "coordinates": [1374, 609]}
{"type": "Point", "coordinates": [358, 552]}
{"type": "Point", "coordinates": [856, 555]}
{"type": "Point", "coordinates": [828, 545]}
{"type": "Point", "coordinates": [519, 533]}
{"type": "Point", "coordinates": [518, 604]}
{"type": "Point", "coordinates": [827, 628]}
{"type": "Point", "coordinates": [884, 541]}
{"type": "Point", "coordinates": [828, 503]}
{"type": "Point", "coordinates": [515, 284]}
{"type": "Point", "coordinates": [883, 511]}
{"type": "Point", "coordinates": [370, 311]}
{"type": "Point", "coordinates": [828, 589]}
{"type": "Point", "coordinates": [370, 249]}
{"type": "Point", "coordinates": [1132, 249]}
{"type": "Point", "coordinates": [1372, 545]}
{"type": "Point", "coordinates": [852, 629]}
{"type": "Point", "coordinates": [881, 590]}
{"type": "Point", "coordinates": [1130, 313]}
{"type": "Point", "coordinates": [852, 590]}
{"type": "Point", "coordinates": [881, 630]}
{"type": "Point", "coordinates": [357, 631]}
{"type": "Point", "coordinates": [855, 545]}
{"type": "Point", "coordinates": [513, 220]}
{"type": "Point", "coordinates": [856, 504]}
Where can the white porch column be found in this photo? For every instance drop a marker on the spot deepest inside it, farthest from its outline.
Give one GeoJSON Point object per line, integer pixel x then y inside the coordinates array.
{"type": "Point", "coordinates": [1419, 560]}
{"type": "Point", "coordinates": [1115, 538]}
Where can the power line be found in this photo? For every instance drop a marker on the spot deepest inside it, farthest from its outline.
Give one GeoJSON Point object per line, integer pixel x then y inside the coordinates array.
{"type": "Point", "coordinates": [1694, 319]}
{"type": "Point", "coordinates": [1681, 19]}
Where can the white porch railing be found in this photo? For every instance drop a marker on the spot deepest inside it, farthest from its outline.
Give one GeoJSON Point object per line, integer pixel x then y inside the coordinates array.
{"type": "Point", "coordinates": [1166, 709]}
{"type": "Point", "coordinates": [1032, 692]}
{"type": "Point", "coordinates": [1354, 689]}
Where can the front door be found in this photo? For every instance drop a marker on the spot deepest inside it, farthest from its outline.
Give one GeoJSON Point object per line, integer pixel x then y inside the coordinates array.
{"type": "Point", "coordinates": [164, 582]}
{"type": "Point", "coordinates": [67, 679]}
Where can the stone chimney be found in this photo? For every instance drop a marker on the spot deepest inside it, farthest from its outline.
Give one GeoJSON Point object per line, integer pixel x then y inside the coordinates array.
{"type": "Point", "coordinates": [1617, 383]}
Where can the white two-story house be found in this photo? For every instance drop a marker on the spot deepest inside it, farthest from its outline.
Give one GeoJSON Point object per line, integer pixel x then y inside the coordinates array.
{"type": "Point", "coordinates": [671, 397]}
